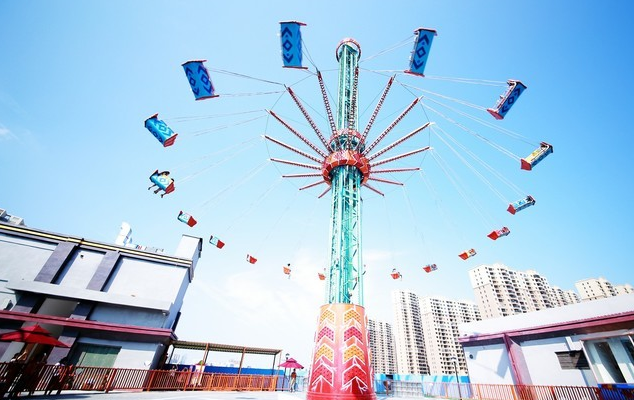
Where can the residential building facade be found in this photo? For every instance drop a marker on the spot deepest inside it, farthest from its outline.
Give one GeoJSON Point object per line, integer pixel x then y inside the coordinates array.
{"type": "Point", "coordinates": [501, 291]}
{"type": "Point", "coordinates": [440, 318]}
{"type": "Point", "coordinates": [382, 347]}
{"type": "Point", "coordinates": [595, 288]}
{"type": "Point", "coordinates": [600, 288]}
{"type": "Point", "coordinates": [562, 297]}
{"type": "Point", "coordinates": [623, 289]}
{"type": "Point", "coordinates": [411, 357]}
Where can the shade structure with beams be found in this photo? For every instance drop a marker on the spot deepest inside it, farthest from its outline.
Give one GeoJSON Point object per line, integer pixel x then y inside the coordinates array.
{"type": "Point", "coordinates": [32, 334]}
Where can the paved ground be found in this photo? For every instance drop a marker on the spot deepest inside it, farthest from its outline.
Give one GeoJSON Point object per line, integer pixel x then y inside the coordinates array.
{"type": "Point", "coordinates": [178, 395]}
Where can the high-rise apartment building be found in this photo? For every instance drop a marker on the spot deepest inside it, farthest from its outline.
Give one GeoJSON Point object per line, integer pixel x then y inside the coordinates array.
{"type": "Point", "coordinates": [410, 343]}
{"type": "Point", "coordinates": [623, 289]}
{"type": "Point", "coordinates": [593, 288]}
{"type": "Point", "coordinates": [564, 297]}
{"type": "Point", "coordinates": [440, 318]}
{"type": "Point", "coordinates": [600, 288]}
{"type": "Point", "coordinates": [501, 291]}
{"type": "Point", "coordinates": [382, 347]}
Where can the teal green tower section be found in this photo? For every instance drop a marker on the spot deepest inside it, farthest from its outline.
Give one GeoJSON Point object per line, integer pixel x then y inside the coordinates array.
{"type": "Point", "coordinates": [345, 283]}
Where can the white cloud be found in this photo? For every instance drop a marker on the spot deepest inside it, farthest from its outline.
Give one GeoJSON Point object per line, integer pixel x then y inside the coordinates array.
{"type": "Point", "coordinates": [4, 132]}
{"type": "Point", "coordinates": [23, 137]}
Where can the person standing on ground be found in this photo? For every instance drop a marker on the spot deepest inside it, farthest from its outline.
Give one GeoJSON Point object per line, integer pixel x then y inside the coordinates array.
{"type": "Point", "coordinates": [56, 380]}
{"type": "Point", "coordinates": [30, 375]}
{"type": "Point", "coordinates": [292, 385]}
{"type": "Point", "coordinates": [13, 369]}
{"type": "Point", "coordinates": [386, 384]}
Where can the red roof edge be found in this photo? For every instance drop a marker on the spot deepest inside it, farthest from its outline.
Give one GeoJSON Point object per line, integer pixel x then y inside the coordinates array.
{"type": "Point", "coordinates": [624, 320]}
{"type": "Point", "coordinates": [158, 333]}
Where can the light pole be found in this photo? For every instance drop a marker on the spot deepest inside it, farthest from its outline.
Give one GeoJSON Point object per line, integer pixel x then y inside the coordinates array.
{"type": "Point", "coordinates": [455, 361]}
{"type": "Point", "coordinates": [287, 357]}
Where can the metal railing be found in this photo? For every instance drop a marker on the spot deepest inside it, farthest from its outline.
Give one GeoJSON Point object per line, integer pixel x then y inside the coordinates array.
{"type": "Point", "coordinates": [507, 392]}
{"type": "Point", "coordinates": [17, 378]}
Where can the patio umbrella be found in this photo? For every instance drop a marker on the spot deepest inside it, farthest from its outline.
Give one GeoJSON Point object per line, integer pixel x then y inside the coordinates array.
{"type": "Point", "coordinates": [291, 363]}
{"type": "Point", "coordinates": [32, 334]}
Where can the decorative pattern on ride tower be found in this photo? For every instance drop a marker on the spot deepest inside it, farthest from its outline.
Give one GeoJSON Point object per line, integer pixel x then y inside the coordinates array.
{"type": "Point", "coordinates": [341, 360]}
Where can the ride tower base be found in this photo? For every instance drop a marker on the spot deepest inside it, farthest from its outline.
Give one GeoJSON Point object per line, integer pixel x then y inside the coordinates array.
{"type": "Point", "coordinates": [341, 368]}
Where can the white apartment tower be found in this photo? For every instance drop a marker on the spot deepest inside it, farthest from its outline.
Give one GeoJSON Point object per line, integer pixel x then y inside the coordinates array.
{"type": "Point", "coordinates": [623, 289]}
{"type": "Point", "coordinates": [600, 288]}
{"type": "Point", "coordinates": [564, 297]}
{"type": "Point", "coordinates": [593, 288]}
{"type": "Point", "coordinates": [440, 319]}
{"type": "Point", "coordinates": [382, 347]}
{"type": "Point", "coordinates": [410, 343]}
{"type": "Point", "coordinates": [501, 291]}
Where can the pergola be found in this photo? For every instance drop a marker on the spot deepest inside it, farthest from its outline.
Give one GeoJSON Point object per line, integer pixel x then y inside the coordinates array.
{"type": "Point", "coordinates": [207, 347]}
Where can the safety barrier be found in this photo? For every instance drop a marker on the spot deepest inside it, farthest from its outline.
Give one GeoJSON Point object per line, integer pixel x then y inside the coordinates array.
{"type": "Point", "coordinates": [194, 380]}
{"type": "Point", "coordinates": [17, 378]}
{"type": "Point", "coordinates": [508, 392]}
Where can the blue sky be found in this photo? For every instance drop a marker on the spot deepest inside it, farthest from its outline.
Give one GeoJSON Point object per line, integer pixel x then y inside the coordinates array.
{"type": "Point", "coordinates": [77, 80]}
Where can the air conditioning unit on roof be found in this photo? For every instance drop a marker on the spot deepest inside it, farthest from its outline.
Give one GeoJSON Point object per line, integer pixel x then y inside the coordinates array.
{"type": "Point", "coordinates": [16, 220]}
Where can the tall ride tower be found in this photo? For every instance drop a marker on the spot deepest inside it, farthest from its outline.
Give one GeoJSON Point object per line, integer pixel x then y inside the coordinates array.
{"type": "Point", "coordinates": [341, 366]}
{"type": "Point", "coordinates": [341, 360]}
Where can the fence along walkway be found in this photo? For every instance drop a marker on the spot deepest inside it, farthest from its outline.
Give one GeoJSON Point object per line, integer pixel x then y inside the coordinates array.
{"type": "Point", "coordinates": [55, 378]}
{"type": "Point", "coordinates": [51, 377]}
{"type": "Point", "coordinates": [508, 392]}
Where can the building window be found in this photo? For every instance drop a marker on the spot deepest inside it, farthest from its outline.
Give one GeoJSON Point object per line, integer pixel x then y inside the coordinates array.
{"type": "Point", "coordinates": [572, 360]}
{"type": "Point", "coordinates": [92, 355]}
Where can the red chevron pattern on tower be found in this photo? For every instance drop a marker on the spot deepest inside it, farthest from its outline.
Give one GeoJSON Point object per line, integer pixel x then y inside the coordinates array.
{"type": "Point", "coordinates": [341, 360]}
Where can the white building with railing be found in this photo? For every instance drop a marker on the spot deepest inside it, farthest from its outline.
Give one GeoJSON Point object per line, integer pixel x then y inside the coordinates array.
{"type": "Point", "coordinates": [581, 344]}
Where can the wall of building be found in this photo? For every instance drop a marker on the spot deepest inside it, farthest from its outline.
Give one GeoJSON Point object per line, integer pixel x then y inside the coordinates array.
{"type": "Point", "coordinates": [84, 264]}
{"type": "Point", "coordinates": [20, 259]}
{"type": "Point", "coordinates": [488, 364]}
{"type": "Point", "coordinates": [48, 278]}
{"type": "Point", "coordinates": [131, 354]}
{"type": "Point", "coordinates": [536, 338]}
{"type": "Point", "coordinates": [545, 369]}
{"type": "Point", "coordinates": [163, 289]}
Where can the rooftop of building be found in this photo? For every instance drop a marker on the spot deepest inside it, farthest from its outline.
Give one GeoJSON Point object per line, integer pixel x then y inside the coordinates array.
{"type": "Point", "coordinates": [612, 310]}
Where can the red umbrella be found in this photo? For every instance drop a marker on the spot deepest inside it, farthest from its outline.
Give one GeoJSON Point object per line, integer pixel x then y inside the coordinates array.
{"type": "Point", "coordinates": [291, 363]}
{"type": "Point", "coordinates": [32, 334]}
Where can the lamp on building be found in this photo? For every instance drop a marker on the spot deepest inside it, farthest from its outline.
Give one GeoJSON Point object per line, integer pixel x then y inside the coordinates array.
{"type": "Point", "coordinates": [455, 363]}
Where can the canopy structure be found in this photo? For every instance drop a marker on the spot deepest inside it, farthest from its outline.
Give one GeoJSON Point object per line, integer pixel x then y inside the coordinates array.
{"type": "Point", "coordinates": [32, 334]}
{"type": "Point", "coordinates": [291, 363]}
{"type": "Point", "coordinates": [225, 348]}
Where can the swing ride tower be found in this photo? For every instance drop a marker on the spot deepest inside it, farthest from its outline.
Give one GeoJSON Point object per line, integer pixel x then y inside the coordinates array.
{"type": "Point", "coordinates": [341, 366]}
{"type": "Point", "coordinates": [341, 360]}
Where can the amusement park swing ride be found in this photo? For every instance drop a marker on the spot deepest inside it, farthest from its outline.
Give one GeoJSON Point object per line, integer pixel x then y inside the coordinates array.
{"type": "Point", "coordinates": [342, 162]}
